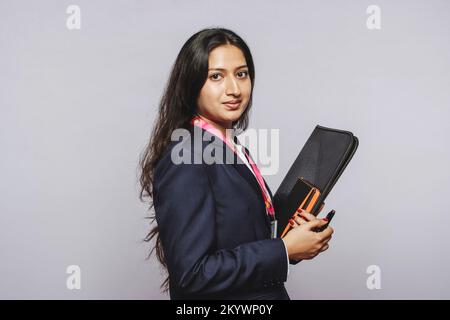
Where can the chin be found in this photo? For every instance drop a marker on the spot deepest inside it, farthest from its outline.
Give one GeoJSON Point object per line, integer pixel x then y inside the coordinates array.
{"type": "Point", "coordinates": [233, 115]}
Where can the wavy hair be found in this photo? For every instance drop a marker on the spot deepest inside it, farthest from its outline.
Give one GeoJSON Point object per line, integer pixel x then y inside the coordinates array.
{"type": "Point", "coordinates": [178, 105]}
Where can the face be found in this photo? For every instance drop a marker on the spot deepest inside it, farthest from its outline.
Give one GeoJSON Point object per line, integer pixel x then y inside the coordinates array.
{"type": "Point", "coordinates": [226, 92]}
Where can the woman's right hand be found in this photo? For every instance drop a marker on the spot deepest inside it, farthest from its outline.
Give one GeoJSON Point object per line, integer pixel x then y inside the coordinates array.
{"type": "Point", "coordinates": [302, 242]}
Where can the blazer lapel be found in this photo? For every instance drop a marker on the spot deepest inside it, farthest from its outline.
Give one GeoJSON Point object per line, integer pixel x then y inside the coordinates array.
{"type": "Point", "coordinates": [240, 167]}
{"type": "Point", "coordinates": [248, 176]}
{"type": "Point", "coordinates": [251, 179]}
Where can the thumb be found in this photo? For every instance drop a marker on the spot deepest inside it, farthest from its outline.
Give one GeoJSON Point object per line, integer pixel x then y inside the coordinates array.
{"type": "Point", "coordinates": [317, 223]}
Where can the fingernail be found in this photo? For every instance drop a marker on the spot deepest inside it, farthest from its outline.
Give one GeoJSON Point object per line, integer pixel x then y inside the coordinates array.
{"type": "Point", "coordinates": [325, 219]}
{"type": "Point", "coordinates": [291, 222]}
{"type": "Point", "coordinates": [299, 210]}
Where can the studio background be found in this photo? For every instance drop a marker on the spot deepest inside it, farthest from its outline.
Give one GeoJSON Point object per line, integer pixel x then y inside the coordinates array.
{"type": "Point", "coordinates": [77, 107]}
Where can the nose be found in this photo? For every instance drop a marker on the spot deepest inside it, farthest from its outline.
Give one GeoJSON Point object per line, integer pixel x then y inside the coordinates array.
{"type": "Point", "coordinates": [232, 87]}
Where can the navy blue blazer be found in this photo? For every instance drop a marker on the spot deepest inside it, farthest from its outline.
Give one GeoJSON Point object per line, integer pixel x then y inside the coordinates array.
{"type": "Point", "coordinates": [214, 228]}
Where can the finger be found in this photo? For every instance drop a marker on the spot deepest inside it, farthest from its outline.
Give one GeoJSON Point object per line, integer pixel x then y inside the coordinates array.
{"type": "Point", "coordinates": [300, 221]}
{"type": "Point", "coordinates": [307, 216]}
{"type": "Point", "coordinates": [327, 232]}
{"type": "Point", "coordinates": [297, 219]}
{"type": "Point", "coordinates": [325, 240]}
{"type": "Point", "coordinates": [324, 248]}
{"type": "Point", "coordinates": [314, 224]}
{"type": "Point", "coordinates": [293, 223]}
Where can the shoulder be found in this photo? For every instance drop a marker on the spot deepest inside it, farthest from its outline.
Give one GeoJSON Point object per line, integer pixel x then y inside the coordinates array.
{"type": "Point", "coordinates": [173, 178]}
{"type": "Point", "coordinates": [181, 154]}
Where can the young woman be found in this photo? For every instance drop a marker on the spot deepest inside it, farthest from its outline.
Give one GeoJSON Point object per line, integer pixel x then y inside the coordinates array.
{"type": "Point", "coordinates": [213, 232]}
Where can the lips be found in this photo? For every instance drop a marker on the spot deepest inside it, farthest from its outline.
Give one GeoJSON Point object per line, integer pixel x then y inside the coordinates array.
{"type": "Point", "coordinates": [233, 104]}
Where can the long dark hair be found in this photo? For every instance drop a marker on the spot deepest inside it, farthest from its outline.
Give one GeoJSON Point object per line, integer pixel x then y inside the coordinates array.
{"type": "Point", "coordinates": [178, 105]}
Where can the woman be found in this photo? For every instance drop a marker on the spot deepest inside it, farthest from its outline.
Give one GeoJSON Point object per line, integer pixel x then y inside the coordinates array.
{"type": "Point", "coordinates": [213, 232]}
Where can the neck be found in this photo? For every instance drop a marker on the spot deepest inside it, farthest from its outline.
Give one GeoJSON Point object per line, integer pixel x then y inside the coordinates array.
{"type": "Point", "coordinates": [221, 126]}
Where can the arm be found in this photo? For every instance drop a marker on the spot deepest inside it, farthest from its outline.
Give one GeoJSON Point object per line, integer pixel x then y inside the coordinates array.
{"type": "Point", "coordinates": [185, 213]}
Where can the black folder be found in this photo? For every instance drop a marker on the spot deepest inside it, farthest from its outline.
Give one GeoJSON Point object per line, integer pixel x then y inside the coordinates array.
{"type": "Point", "coordinates": [321, 162]}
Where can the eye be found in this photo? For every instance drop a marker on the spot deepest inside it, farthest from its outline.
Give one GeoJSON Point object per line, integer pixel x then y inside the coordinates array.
{"type": "Point", "coordinates": [242, 72]}
{"type": "Point", "coordinates": [215, 76]}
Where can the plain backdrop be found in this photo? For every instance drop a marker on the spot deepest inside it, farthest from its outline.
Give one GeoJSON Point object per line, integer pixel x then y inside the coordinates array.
{"type": "Point", "coordinates": [77, 107]}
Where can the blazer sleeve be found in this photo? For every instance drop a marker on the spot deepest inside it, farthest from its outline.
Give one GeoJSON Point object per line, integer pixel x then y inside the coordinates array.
{"type": "Point", "coordinates": [185, 213]}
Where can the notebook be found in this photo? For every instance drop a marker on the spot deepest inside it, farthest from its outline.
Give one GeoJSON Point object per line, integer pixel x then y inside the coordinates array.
{"type": "Point", "coordinates": [303, 196]}
{"type": "Point", "coordinates": [321, 162]}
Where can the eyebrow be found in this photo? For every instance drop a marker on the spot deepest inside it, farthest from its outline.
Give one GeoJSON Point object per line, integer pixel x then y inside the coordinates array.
{"type": "Point", "coordinates": [221, 69]}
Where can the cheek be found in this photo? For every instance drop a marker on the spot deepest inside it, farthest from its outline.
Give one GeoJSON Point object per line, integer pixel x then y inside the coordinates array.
{"type": "Point", "coordinates": [210, 93]}
{"type": "Point", "coordinates": [247, 88]}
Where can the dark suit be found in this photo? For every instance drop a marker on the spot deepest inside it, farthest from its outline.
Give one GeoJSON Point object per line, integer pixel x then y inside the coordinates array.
{"type": "Point", "coordinates": [214, 228]}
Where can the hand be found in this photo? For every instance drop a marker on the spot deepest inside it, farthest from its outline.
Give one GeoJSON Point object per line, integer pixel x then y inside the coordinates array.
{"type": "Point", "coordinates": [302, 242]}
{"type": "Point", "coordinates": [300, 219]}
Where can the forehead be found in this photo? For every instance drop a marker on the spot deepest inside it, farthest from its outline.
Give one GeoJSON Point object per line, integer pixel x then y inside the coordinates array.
{"type": "Point", "coordinates": [226, 57]}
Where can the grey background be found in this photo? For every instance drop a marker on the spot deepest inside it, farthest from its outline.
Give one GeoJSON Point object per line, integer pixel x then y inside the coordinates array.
{"type": "Point", "coordinates": [77, 108]}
